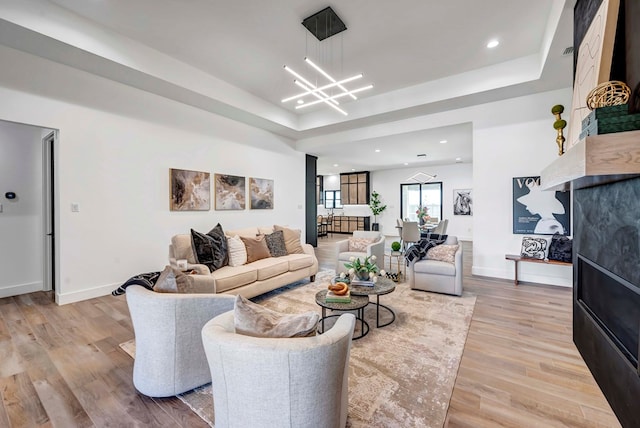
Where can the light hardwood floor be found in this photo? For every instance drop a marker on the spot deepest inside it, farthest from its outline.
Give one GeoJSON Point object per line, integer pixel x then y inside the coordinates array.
{"type": "Point", "coordinates": [61, 365]}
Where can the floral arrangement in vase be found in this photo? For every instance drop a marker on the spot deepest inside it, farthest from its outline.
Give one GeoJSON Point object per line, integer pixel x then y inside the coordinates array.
{"type": "Point", "coordinates": [423, 214]}
{"type": "Point", "coordinates": [366, 270]}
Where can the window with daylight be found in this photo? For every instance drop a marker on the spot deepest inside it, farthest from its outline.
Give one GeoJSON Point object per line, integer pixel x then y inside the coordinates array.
{"type": "Point", "coordinates": [332, 199]}
{"type": "Point", "coordinates": [427, 195]}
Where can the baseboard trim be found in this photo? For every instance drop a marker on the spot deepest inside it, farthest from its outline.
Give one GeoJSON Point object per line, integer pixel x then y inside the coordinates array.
{"type": "Point", "coordinates": [524, 276]}
{"type": "Point", "coordinates": [14, 290]}
{"type": "Point", "coordinates": [77, 296]}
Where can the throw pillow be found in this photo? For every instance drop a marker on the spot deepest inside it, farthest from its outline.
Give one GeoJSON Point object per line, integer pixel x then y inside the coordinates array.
{"type": "Point", "coordinates": [237, 251]}
{"type": "Point", "coordinates": [172, 280]}
{"type": "Point", "coordinates": [256, 248]}
{"type": "Point", "coordinates": [443, 253]}
{"type": "Point", "coordinates": [147, 280]}
{"type": "Point", "coordinates": [210, 249]}
{"type": "Point", "coordinates": [418, 251]}
{"type": "Point", "coordinates": [534, 247]}
{"type": "Point", "coordinates": [360, 245]}
{"type": "Point", "coordinates": [275, 242]}
{"type": "Point", "coordinates": [291, 240]}
{"type": "Point", "coordinates": [255, 320]}
{"type": "Point", "coordinates": [220, 253]}
{"type": "Point", "coordinates": [561, 248]}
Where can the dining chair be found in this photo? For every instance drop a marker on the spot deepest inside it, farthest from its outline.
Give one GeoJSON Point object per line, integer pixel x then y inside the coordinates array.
{"type": "Point", "coordinates": [410, 233]}
{"type": "Point", "coordinates": [322, 226]}
{"type": "Point", "coordinates": [441, 228]}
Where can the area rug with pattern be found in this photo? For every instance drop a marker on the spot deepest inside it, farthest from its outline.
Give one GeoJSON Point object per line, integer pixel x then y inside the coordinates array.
{"type": "Point", "coordinates": [399, 375]}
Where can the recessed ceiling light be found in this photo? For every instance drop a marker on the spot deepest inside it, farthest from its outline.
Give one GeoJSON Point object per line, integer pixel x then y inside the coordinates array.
{"type": "Point", "coordinates": [492, 43]}
{"type": "Point", "coordinates": [458, 159]}
{"type": "Point", "coordinates": [443, 141]}
{"type": "Point", "coordinates": [353, 169]}
{"type": "Point", "coordinates": [377, 150]}
{"type": "Point", "coordinates": [335, 164]}
{"type": "Point", "coordinates": [406, 163]}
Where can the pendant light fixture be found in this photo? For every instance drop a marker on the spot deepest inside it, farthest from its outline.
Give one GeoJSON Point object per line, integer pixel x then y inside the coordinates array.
{"type": "Point", "coordinates": [326, 89]}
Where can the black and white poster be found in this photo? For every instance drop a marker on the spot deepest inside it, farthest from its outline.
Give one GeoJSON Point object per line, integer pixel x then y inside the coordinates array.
{"type": "Point", "coordinates": [537, 211]}
{"type": "Point", "coordinates": [462, 202]}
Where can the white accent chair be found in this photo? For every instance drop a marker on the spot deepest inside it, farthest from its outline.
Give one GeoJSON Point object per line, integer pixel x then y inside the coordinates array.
{"type": "Point", "coordinates": [437, 276]}
{"type": "Point", "coordinates": [170, 358]}
{"type": "Point", "coordinates": [268, 382]}
{"type": "Point", "coordinates": [376, 248]}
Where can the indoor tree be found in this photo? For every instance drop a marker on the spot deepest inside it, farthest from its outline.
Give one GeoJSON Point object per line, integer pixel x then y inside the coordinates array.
{"type": "Point", "coordinates": [376, 208]}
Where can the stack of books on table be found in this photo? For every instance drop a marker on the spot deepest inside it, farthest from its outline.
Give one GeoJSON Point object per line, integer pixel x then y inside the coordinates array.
{"type": "Point", "coordinates": [335, 298]}
{"type": "Point", "coordinates": [363, 283]}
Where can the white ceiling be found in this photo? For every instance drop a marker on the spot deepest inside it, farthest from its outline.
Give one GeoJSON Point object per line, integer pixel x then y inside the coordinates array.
{"type": "Point", "coordinates": [423, 56]}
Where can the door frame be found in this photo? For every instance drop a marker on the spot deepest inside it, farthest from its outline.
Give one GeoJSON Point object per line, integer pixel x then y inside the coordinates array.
{"type": "Point", "coordinates": [49, 145]}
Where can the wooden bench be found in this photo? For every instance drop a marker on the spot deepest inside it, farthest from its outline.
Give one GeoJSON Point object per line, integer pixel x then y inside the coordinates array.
{"type": "Point", "coordinates": [516, 258]}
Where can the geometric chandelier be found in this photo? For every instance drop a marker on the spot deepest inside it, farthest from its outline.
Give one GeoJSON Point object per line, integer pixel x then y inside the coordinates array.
{"type": "Point", "coordinates": [323, 25]}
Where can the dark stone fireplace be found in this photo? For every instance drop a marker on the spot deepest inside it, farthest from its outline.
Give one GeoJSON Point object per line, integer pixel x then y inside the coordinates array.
{"type": "Point", "coordinates": [606, 320]}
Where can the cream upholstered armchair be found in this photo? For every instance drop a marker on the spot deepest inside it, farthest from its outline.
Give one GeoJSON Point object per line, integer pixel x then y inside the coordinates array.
{"type": "Point", "coordinates": [344, 248]}
{"type": "Point", "coordinates": [438, 276]}
{"type": "Point", "coordinates": [275, 382]}
{"type": "Point", "coordinates": [170, 358]}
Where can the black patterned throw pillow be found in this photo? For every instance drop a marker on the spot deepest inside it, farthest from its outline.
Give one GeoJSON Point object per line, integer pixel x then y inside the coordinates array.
{"type": "Point", "coordinates": [210, 249]}
{"type": "Point", "coordinates": [534, 248]}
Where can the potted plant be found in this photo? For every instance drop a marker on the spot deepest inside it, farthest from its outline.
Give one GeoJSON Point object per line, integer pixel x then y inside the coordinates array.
{"type": "Point", "coordinates": [366, 270]}
{"type": "Point", "coordinates": [376, 208]}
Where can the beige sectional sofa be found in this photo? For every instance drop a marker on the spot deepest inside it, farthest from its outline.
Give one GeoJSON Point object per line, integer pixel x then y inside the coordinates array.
{"type": "Point", "coordinates": [248, 280]}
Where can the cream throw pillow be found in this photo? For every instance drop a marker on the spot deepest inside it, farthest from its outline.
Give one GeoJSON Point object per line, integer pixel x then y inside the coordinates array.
{"type": "Point", "coordinates": [443, 253]}
{"type": "Point", "coordinates": [237, 251]}
{"type": "Point", "coordinates": [255, 320]}
{"type": "Point", "coordinates": [291, 239]}
{"type": "Point", "coordinates": [360, 245]}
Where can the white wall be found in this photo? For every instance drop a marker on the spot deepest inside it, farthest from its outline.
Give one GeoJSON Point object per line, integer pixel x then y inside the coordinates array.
{"type": "Point", "coordinates": [21, 219]}
{"type": "Point", "coordinates": [522, 148]}
{"type": "Point", "coordinates": [116, 145]}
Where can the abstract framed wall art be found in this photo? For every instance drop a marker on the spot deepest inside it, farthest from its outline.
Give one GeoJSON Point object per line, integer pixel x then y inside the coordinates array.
{"type": "Point", "coordinates": [462, 202]}
{"type": "Point", "coordinates": [230, 192]}
{"type": "Point", "coordinates": [537, 211]}
{"type": "Point", "coordinates": [190, 190]}
{"type": "Point", "coordinates": [261, 193]}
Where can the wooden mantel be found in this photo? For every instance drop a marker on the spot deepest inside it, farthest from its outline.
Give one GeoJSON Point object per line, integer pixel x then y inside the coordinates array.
{"type": "Point", "coordinates": [597, 159]}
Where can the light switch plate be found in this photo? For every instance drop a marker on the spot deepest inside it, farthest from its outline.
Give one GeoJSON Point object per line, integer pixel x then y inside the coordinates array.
{"type": "Point", "coordinates": [75, 208]}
